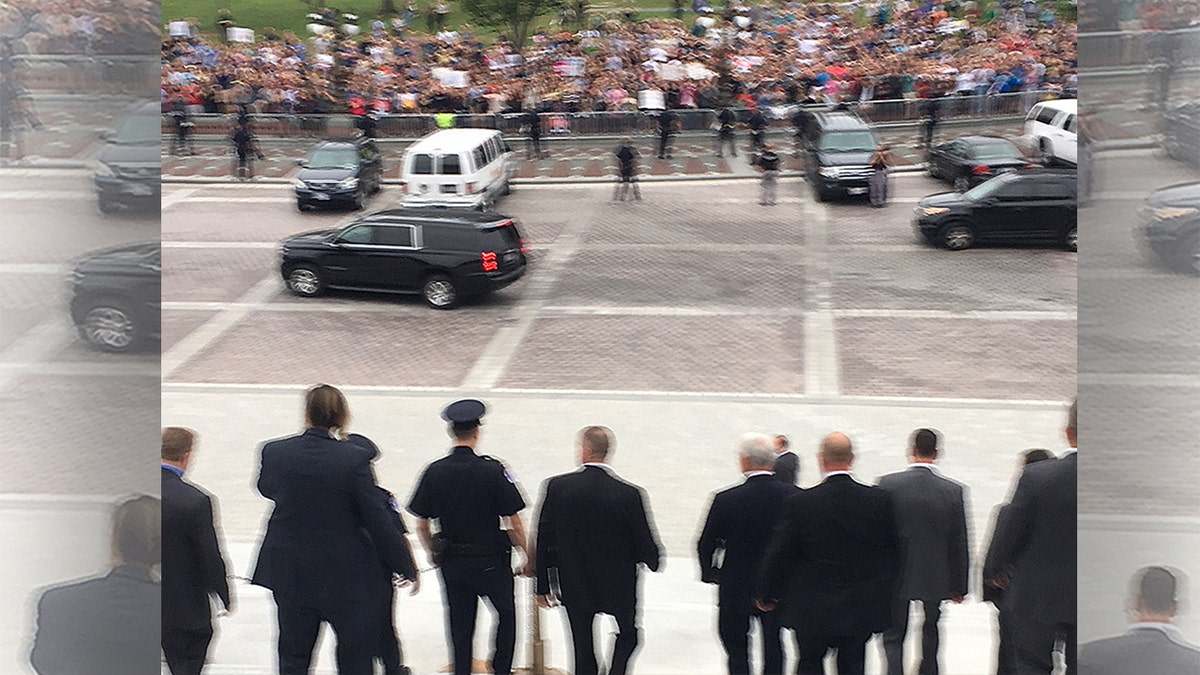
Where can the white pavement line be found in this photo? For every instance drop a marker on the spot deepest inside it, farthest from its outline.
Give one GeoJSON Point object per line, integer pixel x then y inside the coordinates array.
{"type": "Point", "coordinates": [84, 369]}
{"type": "Point", "coordinates": [34, 347]}
{"type": "Point", "coordinates": [974, 315]}
{"type": "Point", "coordinates": [18, 173]}
{"type": "Point", "coordinates": [46, 196]}
{"type": "Point", "coordinates": [1088, 274]}
{"type": "Point", "coordinates": [221, 244]}
{"type": "Point", "coordinates": [577, 310]}
{"type": "Point", "coordinates": [173, 197]}
{"type": "Point", "coordinates": [33, 268]}
{"type": "Point", "coordinates": [1109, 523]}
{"type": "Point", "coordinates": [206, 334]}
{"type": "Point", "coordinates": [309, 307]}
{"type": "Point", "coordinates": [1175, 380]}
{"type": "Point", "coordinates": [265, 199]}
{"type": "Point", "coordinates": [822, 369]}
{"type": "Point", "coordinates": [1121, 195]}
{"type": "Point", "coordinates": [611, 395]}
{"type": "Point", "coordinates": [708, 248]}
{"type": "Point", "coordinates": [500, 351]}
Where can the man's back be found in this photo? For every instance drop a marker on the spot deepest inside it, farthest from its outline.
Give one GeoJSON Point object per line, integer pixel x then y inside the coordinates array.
{"type": "Point", "coordinates": [192, 566]}
{"type": "Point", "coordinates": [932, 524]}
{"type": "Point", "coordinates": [787, 467]}
{"type": "Point", "coordinates": [741, 521]}
{"type": "Point", "coordinates": [1143, 650]}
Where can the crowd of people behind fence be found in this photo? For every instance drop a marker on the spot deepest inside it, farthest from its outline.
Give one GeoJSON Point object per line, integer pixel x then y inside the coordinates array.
{"type": "Point", "coordinates": [782, 53]}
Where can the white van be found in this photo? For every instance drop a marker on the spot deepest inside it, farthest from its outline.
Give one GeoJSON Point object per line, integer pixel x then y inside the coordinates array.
{"type": "Point", "coordinates": [467, 168]}
{"type": "Point", "coordinates": [1050, 129]}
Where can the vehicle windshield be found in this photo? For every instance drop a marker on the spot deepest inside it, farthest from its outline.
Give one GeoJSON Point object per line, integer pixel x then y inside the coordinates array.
{"type": "Point", "coordinates": [987, 189]}
{"type": "Point", "coordinates": [333, 158]}
{"type": "Point", "coordinates": [139, 130]}
{"type": "Point", "coordinates": [848, 141]}
{"type": "Point", "coordinates": [996, 151]}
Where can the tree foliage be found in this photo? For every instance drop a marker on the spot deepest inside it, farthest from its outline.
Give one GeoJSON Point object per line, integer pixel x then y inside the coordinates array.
{"type": "Point", "coordinates": [513, 18]}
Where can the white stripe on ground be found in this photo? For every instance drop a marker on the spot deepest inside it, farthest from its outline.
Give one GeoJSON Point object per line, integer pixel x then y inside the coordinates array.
{"type": "Point", "coordinates": [221, 244]}
{"type": "Point", "coordinates": [172, 197]}
{"type": "Point", "coordinates": [34, 347]}
{"type": "Point", "coordinates": [214, 328]}
{"type": "Point", "coordinates": [822, 370]}
{"type": "Point", "coordinates": [33, 268]}
{"type": "Point", "coordinates": [1172, 380]}
{"type": "Point", "coordinates": [74, 369]}
{"type": "Point", "coordinates": [46, 195]}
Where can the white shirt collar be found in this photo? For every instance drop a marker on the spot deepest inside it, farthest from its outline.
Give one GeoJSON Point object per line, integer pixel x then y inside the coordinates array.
{"type": "Point", "coordinates": [1155, 625]}
{"type": "Point", "coordinates": [752, 474]}
{"type": "Point", "coordinates": [1070, 451]}
{"type": "Point", "coordinates": [836, 473]}
{"type": "Point", "coordinates": [602, 465]}
{"type": "Point", "coordinates": [923, 465]}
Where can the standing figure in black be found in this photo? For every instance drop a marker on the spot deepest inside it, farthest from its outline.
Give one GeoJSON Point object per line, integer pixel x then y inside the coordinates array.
{"type": "Point", "coordinates": [183, 129]}
{"type": "Point", "coordinates": [758, 124]}
{"type": "Point", "coordinates": [668, 123]}
{"type": "Point", "coordinates": [768, 162]}
{"type": "Point", "coordinates": [726, 120]}
{"type": "Point", "coordinates": [533, 142]}
{"type": "Point", "coordinates": [368, 125]}
{"type": "Point", "coordinates": [468, 494]}
{"type": "Point", "coordinates": [627, 166]}
{"type": "Point", "coordinates": [878, 183]}
{"type": "Point", "coordinates": [933, 114]}
{"type": "Point", "coordinates": [800, 122]}
{"type": "Point", "coordinates": [245, 145]}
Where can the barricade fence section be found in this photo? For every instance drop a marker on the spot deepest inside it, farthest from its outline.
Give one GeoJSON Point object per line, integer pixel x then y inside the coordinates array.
{"type": "Point", "coordinates": [611, 123]}
{"type": "Point", "coordinates": [99, 75]}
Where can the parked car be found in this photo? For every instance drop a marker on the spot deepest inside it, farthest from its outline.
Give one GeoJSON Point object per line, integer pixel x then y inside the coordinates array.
{"type": "Point", "coordinates": [838, 148]}
{"type": "Point", "coordinates": [968, 161]}
{"type": "Point", "coordinates": [466, 168]}
{"type": "Point", "coordinates": [116, 297]}
{"type": "Point", "coordinates": [128, 170]}
{"type": "Point", "coordinates": [1030, 207]}
{"type": "Point", "coordinates": [444, 255]}
{"type": "Point", "coordinates": [1051, 128]}
{"type": "Point", "coordinates": [1181, 137]}
{"type": "Point", "coordinates": [1169, 226]}
{"type": "Point", "coordinates": [339, 172]}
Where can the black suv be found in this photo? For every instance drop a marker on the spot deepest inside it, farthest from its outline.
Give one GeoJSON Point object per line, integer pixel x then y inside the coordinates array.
{"type": "Point", "coordinates": [339, 172]}
{"type": "Point", "coordinates": [1169, 225]}
{"type": "Point", "coordinates": [129, 167]}
{"type": "Point", "coordinates": [446, 256]}
{"type": "Point", "coordinates": [116, 296]}
{"type": "Point", "coordinates": [838, 148]}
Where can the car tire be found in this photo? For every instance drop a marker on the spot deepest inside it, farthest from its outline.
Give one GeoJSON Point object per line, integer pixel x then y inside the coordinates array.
{"type": "Point", "coordinates": [962, 184]}
{"type": "Point", "coordinates": [360, 200]}
{"type": "Point", "coordinates": [507, 189]}
{"type": "Point", "coordinates": [110, 324]}
{"type": "Point", "coordinates": [931, 167]}
{"type": "Point", "coordinates": [305, 281]}
{"type": "Point", "coordinates": [439, 292]}
{"type": "Point", "coordinates": [303, 206]}
{"type": "Point", "coordinates": [1070, 240]}
{"type": "Point", "coordinates": [957, 236]}
{"type": "Point", "coordinates": [1046, 152]}
{"type": "Point", "coordinates": [821, 195]}
{"type": "Point", "coordinates": [107, 206]}
{"type": "Point", "coordinates": [1187, 259]}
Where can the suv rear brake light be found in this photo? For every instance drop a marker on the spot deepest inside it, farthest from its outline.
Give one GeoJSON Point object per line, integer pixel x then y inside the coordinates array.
{"type": "Point", "coordinates": [489, 261]}
{"type": "Point", "coordinates": [980, 170]}
{"type": "Point", "coordinates": [470, 188]}
{"type": "Point", "coordinates": [524, 247]}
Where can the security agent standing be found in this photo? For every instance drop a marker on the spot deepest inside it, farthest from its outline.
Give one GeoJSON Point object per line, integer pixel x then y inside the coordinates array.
{"type": "Point", "coordinates": [768, 161]}
{"type": "Point", "coordinates": [468, 494]}
{"type": "Point", "coordinates": [758, 124]}
{"type": "Point", "coordinates": [533, 144]}
{"type": "Point", "coordinates": [668, 124]}
{"type": "Point", "coordinates": [627, 166]}
{"type": "Point", "coordinates": [246, 147]}
{"type": "Point", "coordinates": [183, 129]}
{"type": "Point", "coordinates": [726, 120]}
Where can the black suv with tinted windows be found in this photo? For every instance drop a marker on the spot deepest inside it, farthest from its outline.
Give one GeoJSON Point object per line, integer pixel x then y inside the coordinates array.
{"type": "Point", "coordinates": [339, 172]}
{"type": "Point", "coordinates": [129, 167]}
{"type": "Point", "coordinates": [1169, 226]}
{"type": "Point", "coordinates": [116, 296]}
{"type": "Point", "coordinates": [838, 149]}
{"type": "Point", "coordinates": [445, 256]}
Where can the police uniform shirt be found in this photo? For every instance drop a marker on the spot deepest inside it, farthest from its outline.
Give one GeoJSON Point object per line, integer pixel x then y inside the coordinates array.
{"type": "Point", "coordinates": [625, 155]}
{"type": "Point", "coordinates": [468, 494]}
{"type": "Point", "coordinates": [770, 161]}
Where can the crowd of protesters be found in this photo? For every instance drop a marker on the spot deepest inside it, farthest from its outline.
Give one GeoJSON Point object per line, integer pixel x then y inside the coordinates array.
{"type": "Point", "coordinates": [84, 27]}
{"type": "Point", "coordinates": [777, 54]}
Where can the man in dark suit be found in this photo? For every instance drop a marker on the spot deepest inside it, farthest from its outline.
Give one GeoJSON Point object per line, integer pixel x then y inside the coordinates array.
{"type": "Point", "coordinates": [1038, 544]}
{"type": "Point", "coordinates": [737, 529]}
{"type": "Point", "coordinates": [787, 463]}
{"type": "Point", "coordinates": [832, 563]}
{"type": "Point", "coordinates": [329, 527]}
{"type": "Point", "coordinates": [1153, 643]}
{"type": "Point", "coordinates": [193, 569]}
{"type": "Point", "coordinates": [931, 516]}
{"type": "Point", "coordinates": [594, 529]}
{"type": "Point", "coordinates": [995, 579]}
{"type": "Point", "coordinates": [109, 624]}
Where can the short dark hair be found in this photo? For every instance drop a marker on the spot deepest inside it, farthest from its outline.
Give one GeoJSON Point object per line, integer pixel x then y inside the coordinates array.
{"type": "Point", "coordinates": [462, 433]}
{"type": "Point", "coordinates": [137, 531]}
{"type": "Point", "coordinates": [925, 443]}
{"type": "Point", "coordinates": [177, 442]}
{"type": "Point", "coordinates": [326, 408]}
{"type": "Point", "coordinates": [599, 440]}
{"type": "Point", "coordinates": [1036, 455]}
{"type": "Point", "coordinates": [1157, 590]}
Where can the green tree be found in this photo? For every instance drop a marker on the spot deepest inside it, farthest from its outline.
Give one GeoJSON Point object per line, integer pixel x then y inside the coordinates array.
{"type": "Point", "coordinates": [515, 18]}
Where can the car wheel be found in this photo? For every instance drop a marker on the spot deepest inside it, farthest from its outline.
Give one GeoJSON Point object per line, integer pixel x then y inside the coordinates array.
{"type": "Point", "coordinates": [1046, 153]}
{"type": "Point", "coordinates": [305, 281]}
{"type": "Point", "coordinates": [931, 167]}
{"type": "Point", "coordinates": [107, 206]}
{"type": "Point", "coordinates": [302, 205]}
{"type": "Point", "coordinates": [439, 292]}
{"type": "Point", "coordinates": [958, 236]}
{"type": "Point", "coordinates": [1188, 257]}
{"type": "Point", "coordinates": [1071, 240]}
{"type": "Point", "coordinates": [821, 195]}
{"type": "Point", "coordinates": [110, 325]}
{"type": "Point", "coordinates": [359, 200]}
{"type": "Point", "coordinates": [507, 189]}
{"type": "Point", "coordinates": [962, 184]}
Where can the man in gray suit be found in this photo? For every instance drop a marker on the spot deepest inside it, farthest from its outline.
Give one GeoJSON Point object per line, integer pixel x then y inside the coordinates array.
{"type": "Point", "coordinates": [787, 463]}
{"type": "Point", "coordinates": [931, 517]}
{"type": "Point", "coordinates": [1153, 643]}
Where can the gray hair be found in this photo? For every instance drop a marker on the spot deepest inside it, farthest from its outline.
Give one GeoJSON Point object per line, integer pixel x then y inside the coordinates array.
{"type": "Point", "coordinates": [759, 449]}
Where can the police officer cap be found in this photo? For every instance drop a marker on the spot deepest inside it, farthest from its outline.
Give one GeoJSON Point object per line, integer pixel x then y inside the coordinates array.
{"type": "Point", "coordinates": [464, 414]}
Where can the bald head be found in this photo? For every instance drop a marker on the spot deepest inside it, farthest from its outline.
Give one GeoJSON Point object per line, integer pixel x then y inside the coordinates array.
{"type": "Point", "coordinates": [837, 452]}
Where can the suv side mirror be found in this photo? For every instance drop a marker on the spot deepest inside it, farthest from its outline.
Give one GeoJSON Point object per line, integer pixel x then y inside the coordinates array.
{"type": "Point", "coordinates": [105, 134]}
{"type": "Point", "coordinates": [302, 162]}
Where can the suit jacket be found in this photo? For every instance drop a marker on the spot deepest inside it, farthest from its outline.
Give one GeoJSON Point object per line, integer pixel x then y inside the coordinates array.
{"type": "Point", "coordinates": [787, 467]}
{"type": "Point", "coordinates": [931, 518]}
{"type": "Point", "coordinates": [594, 529]}
{"type": "Point", "coordinates": [192, 566]}
{"type": "Point", "coordinates": [109, 625]}
{"type": "Point", "coordinates": [991, 570]}
{"type": "Point", "coordinates": [833, 560]}
{"type": "Point", "coordinates": [739, 523]}
{"type": "Point", "coordinates": [1038, 542]}
{"type": "Point", "coordinates": [1141, 650]}
{"type": "Point", "coordinates": [331, 523]}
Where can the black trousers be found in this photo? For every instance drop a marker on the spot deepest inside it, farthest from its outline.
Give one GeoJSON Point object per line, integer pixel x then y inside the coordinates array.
{"type": "Point", "coordinates": [1006, 662]}
{"type": "Point", "coordinates": [893, 638]}
{"type": "Point", "coordinates": [466, 579]}
{"type": "Point", "coordinates": [1034, 643]}
{"type": "Point", "coordinates": [851, 653]}
{"type": "Point", "coordinates": [664, 143]}
{"type": "Point", "coordinates": [533, 146]}
{"type": "Point", "coordinates": [390, 653]}
{"type": "Point", "coordinates": [733, 626]}
{"type": "Point", "coordinates": [300, 624]}
{"type": "Point", "coordinates": [581, 620]}
{"type": "Point", "coordinates": [186, 649]}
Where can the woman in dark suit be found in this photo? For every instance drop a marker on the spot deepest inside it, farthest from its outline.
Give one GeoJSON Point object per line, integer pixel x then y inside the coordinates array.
{"type": "Point", "coordinates": [328, 531]}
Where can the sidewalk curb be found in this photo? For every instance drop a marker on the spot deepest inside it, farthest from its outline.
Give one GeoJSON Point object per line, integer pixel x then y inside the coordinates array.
{"type": "Point", "coordinates": [1145, 142]}
{"type": "Point", "coordinates": [46, 164]}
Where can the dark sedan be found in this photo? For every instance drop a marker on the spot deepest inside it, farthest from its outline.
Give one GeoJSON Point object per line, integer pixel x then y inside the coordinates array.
{"type": "Point", "coordinates": [1181, 136]}
{"type": "Point", "coordinates": [129, 167]}
{"type": "Point", "coordinates": [339, 172]}
{"type": "Point", "coordinates": [116, 297]}
{"type": "Point", "coordinates": [1031, 207]}
{"type": "Point", "coordinates": [971, 160]}
{"type": "Point", "coordinates": [1169, 225]}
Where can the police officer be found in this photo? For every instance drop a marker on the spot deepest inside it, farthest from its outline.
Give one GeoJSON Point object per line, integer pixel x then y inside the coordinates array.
{"type": "Point", "coordinates": [468, 494]}
{"type": "Point", "coordinates": [726, 120]}
{"type": "Point", "coordinates": [183, 129]}
{"type": "Point", "coordinates": [801, 121]}
{"type": "Point", "coordinates": [668, 123]}
{"type": "Point", "coordinates": [627, 165]}
{"type": "Point", "coordinates": [245, 145]}
{"type": "Point", "coordinates": [758, 124]}
{"type": "Point", "coordinates": [533, 143]}
{"type": "Point", "coordinates": [368, 125]}
{"type": "Point", "coordinates": [768, 161]}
